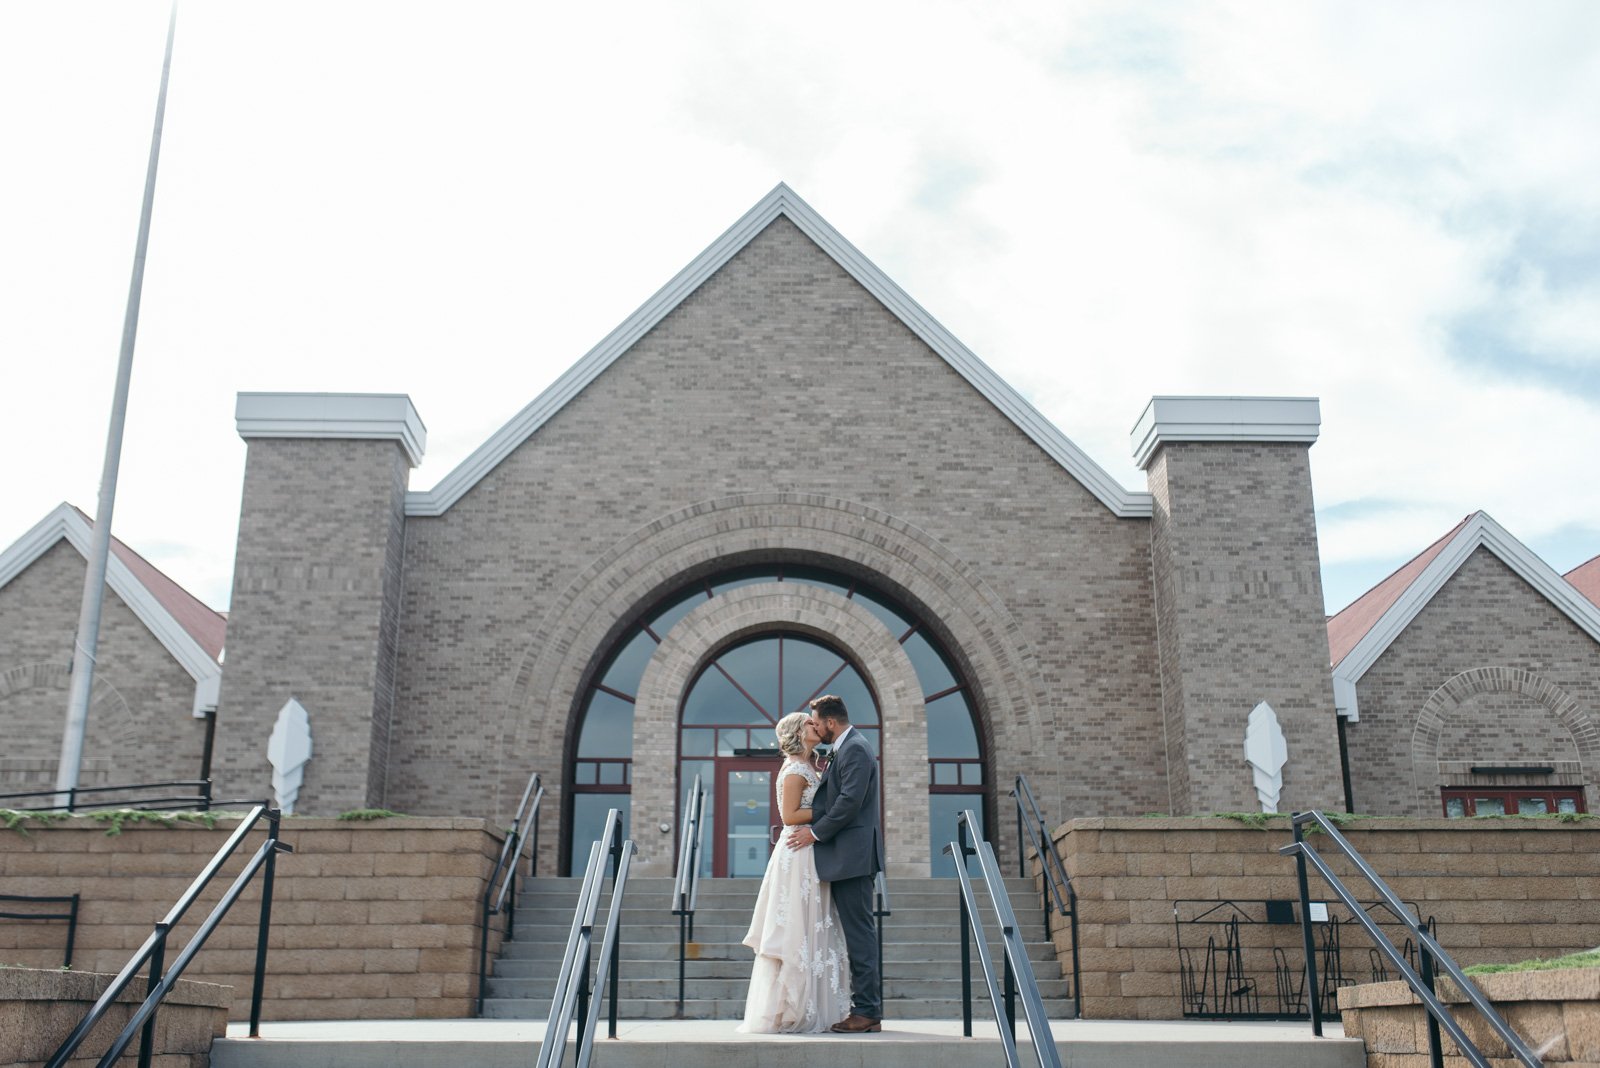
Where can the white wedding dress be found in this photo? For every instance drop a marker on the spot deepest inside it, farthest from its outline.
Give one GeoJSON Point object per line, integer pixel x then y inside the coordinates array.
{"type": "Point", "coordinates": [801, 978]}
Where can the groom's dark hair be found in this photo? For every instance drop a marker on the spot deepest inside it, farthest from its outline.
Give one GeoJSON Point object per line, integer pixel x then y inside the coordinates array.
{"type": "Point", "coordinates": [830, 707]}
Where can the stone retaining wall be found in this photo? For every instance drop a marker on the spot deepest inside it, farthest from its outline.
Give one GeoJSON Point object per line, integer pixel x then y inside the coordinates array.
{"type": "Point", "coordinates": [39, 1008]}
{"type": "Point", "coordinates": [370, 919]}
{"type": "Point", "coordinates": [1500, 889]}
{"type": "Point", "coordinates": [1557, 1013]}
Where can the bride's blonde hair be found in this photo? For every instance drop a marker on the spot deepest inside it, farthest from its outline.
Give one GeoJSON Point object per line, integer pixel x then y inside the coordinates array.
{"type": "Point", "coordinates": [792, 733]}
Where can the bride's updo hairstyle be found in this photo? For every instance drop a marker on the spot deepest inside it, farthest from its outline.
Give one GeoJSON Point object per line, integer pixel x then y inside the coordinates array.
{"type": "Point", "coordinates": [792, 733]}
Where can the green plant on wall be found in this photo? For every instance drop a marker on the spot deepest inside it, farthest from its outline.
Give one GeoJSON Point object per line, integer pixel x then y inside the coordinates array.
{"type": "Point", "coordinates": [115, 818]}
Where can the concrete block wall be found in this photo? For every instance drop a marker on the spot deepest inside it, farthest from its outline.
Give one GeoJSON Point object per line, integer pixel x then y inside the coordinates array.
{"type": "Point", "coordinates": [314, 616]}
{"type": "Point", "coordinates": [1500, 890]}
{"type": "Point", "coordinates": [39, 1009]}
{"type": "Point", "coordinates": [370, 919]}
{"type": "Point", "coordinates": [1238, 600]}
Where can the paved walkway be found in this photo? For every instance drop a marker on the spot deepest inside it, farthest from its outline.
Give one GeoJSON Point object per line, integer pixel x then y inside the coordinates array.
{"type": "Point", "coordinates": [715, 1044]}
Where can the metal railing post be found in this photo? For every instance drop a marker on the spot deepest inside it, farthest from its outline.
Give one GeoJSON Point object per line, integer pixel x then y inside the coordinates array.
{"type": "Point", "coordinates": [72, 932]}
{"type": "Point", "coordinates": [960, 859]}
{"type": "Point", "coordinates": [616, 908]}
{"type": "Point", "coordinates": [268, 869]}
{"type": "Point", "coordinates": [1313, 998]}
{"type": "Point", "coordinates": [158, 960]}
{"type": "Point", "coordinates": [205, 794]}
{"type": "Point", "coordinates": [1011, 998]}
{"type": "Point", "coordinates": [1435, 1049]}
{"type": "Point", "coordinates": [1022, 849]}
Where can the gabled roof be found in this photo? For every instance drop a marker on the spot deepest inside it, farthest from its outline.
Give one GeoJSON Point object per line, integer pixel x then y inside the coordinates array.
{"type": "Point", "coordinates": [1361, 633]}
{"type": "Point", "coordinates": [185, 627]}
{"type": "Point", "coordinates": [1585, 578]}
{"type": "Point", "coordinates": [781, 201]}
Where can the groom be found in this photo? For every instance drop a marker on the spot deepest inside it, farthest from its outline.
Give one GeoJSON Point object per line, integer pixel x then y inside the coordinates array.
{"type": "Point", "coordinates": [844, 827]}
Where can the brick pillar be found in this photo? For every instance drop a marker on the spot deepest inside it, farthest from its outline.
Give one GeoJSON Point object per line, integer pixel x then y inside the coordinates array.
{"type": "Point", "coordinates": [1238, 589]}
{"type": "Point", "coordinates": [316, 590]}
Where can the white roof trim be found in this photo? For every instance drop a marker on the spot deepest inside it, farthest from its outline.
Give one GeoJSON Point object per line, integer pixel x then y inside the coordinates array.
{"type": "Point", "coordinates": [65, 522]}
{"type": "Point", "coordinates": [371, 416]}
{"type": "Point", "coordinates": [1480, 530]}
{"type": "Point", "coordinates": [1165, 419]}
{"type": "Point", "coordinates": [781, 201]}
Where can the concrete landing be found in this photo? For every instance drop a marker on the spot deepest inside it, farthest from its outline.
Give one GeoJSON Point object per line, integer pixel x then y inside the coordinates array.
{"type": "Point", "coordinates": [702, 1043]}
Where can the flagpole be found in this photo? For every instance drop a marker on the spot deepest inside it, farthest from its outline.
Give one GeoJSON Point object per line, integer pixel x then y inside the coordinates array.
{"type": "Point", "coordinates": [94, 582]}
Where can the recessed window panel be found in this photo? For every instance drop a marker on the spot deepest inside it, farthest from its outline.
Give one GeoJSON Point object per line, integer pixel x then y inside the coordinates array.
{"type": "Point", "coordinates": [667, 616]}
{"type": "Point", "coordinates": [857, 699]}
{"type": "Point", "coordinates": [812, 576]}
{"type": "Point", "coordinates": [583, 774]}
{"type": "Point", "coordinates": [1566, 804]}
{"type": "Point", "coordinates": [1489, 806]}
{"type": "Point", "coordinates": [763, 738]}
{"type": "Point", "coordinates": [946, 774]}
{"type": "Point", "coordinates": [933, 673]}
{"type": "Point", "coordinates": [1531, 806]}
{"type": "Point", "coordinates": [607, 727]}
{"type": "Point", "coordinates": [699, 742]}
{"type": "Point", "coordinates": [627, 667]}
{"type": "Point", "coordinates": [1455, 807]}
{"type": "Point", "coordinates": [730, 741]}
{"type": "Point", "coordinates": [754, 666]}
{"type": "Point", "coordinates": [589, 823]}
{"type": "Point", "coordinates": [943, 811]}
{"type": "Point", "coordinates": [713, 699]}
{"type": "Point", "coordinates": [743, 577]}
{"type": "Point", "coordinates": [806, 666]}
{"type": "Point", "coordinates": [871, 735]}
{"type": "Point", "coordinates": [892, 617]}
{"type": "Point", "coordinates": [972, 775]}
{"type": "Point", "coordinates": [950, 732]}
{"type": "Point", "coordinates": [611, 774]}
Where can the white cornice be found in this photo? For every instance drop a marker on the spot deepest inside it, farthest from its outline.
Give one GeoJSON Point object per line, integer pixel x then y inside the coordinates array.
{"type": "Point", "coordinates": [1295, 419]}
{"type": "Point", "coordinates": [1480, 530]}
{"type": "Point", "coordinates": [372, 416]}
{"type": "Point", "coordinates": [781, 201]}
{"type": "Point", "coordinates": [65, 522]}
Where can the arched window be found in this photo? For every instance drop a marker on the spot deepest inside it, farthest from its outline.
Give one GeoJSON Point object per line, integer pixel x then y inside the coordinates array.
{"type": "Point", "coordinates": [770, 669]}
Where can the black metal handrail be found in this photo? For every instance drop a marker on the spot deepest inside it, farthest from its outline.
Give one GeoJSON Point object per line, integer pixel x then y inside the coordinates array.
{"type": "Point", "coordinates": [880, 911]}
{"type": "Point", "coordinates": [686, 885]}
{"type": "Point", "coordinates": [154, 949]}
{"type": "Point", "coordinates": [510, 857]}
{"type": "Point", "coordinates": [1428, 949]}
{"type": "Point", "coordinates": [1017, 965]}
{"type": "Point", "coordinates": [571, 995]}
{"type": "Point", "coordinates": [71, 916]}
{"type": "Point", "coordinates": [1055, 880]}
{"type": "Point", "coordinates": [200, 799]}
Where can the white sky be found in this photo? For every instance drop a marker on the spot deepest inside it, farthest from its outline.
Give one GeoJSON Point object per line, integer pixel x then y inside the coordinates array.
{"type": "Point", "coordinates": [1392, 207]}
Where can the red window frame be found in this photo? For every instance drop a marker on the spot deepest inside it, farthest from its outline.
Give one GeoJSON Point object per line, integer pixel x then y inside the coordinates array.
{"type": "Point", "coordinates": [1509, 796]}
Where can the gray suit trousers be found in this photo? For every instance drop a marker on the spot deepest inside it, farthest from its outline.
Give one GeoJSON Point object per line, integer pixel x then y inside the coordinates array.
{"type": "Point", "coordinates": [853, 898]}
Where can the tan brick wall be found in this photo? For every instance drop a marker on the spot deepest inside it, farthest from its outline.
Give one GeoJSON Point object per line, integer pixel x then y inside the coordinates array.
{"type": "Point", "coordinates": [314, 613]}
{"type": "Point", "coordinates": [1500, 890]}
{"type": "Point", "coordinates": [370, 920]}
{"type": "Point", "coordinates": [141, 716]}
{"type": "Point", "coordinates": [780, 377]}
{"type": "Point", "coordinates": [40, 1008]}
{"type": "Point", "coordinates": [1484, 620]}
{"type": "Point", "coordinates": [1238, 593]}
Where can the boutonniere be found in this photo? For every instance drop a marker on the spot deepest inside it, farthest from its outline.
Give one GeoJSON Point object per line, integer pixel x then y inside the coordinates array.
{"type": "Point", "coordinates": [822, 757]}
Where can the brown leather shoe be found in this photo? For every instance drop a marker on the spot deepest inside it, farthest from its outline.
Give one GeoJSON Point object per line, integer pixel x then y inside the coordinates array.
{"type": "Point", "coordinates": [857, 1025]}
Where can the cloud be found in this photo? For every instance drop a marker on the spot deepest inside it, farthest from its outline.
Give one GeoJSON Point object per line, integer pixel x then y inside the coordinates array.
{"type": "Point", "coordinates": [1390, 207]}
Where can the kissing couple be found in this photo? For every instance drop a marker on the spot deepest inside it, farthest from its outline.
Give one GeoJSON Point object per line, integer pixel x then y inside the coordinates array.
{"type": "Point", "coordinates": [813, 922]}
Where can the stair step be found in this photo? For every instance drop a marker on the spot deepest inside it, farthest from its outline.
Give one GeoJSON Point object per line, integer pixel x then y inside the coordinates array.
{"type": "Point", "coordinates": [731, 1009]}
{"type": "Point", "coordinates": [731, 950]}
{"type": "Point", "coordinates": [736, 989]}
{"type": "Point", "coordinates": [547, 969]}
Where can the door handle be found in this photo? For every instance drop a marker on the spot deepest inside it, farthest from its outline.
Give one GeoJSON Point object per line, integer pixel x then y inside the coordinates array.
{"type": "Point", "coordinates": [774, 832]}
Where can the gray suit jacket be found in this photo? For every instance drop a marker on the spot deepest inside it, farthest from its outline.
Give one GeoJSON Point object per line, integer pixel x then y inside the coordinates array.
{"type": "Point", "coordinates": [846, 814]}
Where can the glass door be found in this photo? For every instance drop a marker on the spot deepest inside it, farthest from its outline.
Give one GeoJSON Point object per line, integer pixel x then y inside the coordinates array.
{"type": "Point", "coordinates": [746, 815]}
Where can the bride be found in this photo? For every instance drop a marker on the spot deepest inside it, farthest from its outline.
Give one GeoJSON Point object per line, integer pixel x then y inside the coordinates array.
{"type": "Point", "coordinates": [801, 978]}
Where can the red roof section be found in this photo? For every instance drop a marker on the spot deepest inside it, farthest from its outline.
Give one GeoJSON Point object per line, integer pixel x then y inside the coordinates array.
{"type": "Point", "coordinates": [1586, 578]}
{"type": "Point", "coordinates": [1361, 615]}
{"type": "Point", "coordinates": [207, 627]}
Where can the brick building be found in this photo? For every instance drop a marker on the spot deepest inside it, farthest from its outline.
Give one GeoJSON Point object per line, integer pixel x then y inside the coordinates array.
{"type": "Point", "coordinates": [782, 477]}
{"type": "Point", "coordinates": [157, 673]}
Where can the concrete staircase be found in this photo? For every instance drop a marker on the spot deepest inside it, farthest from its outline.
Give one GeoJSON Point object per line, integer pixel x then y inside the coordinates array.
{"type": "Point", "coordinates": [921, 950]}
